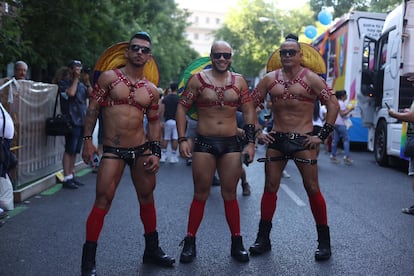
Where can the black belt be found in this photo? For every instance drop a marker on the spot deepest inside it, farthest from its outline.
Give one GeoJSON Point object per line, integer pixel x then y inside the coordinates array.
{"type": "Point", "coordinates": [288, 135]}
{"type": "Point", "coordinates": [287, 157]}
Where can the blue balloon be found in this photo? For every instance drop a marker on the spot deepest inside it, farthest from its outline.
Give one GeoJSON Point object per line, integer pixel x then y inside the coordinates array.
{"type": "Point", "coordinates": [310, 31]}
{"type": "Point", "coordinates": [325, 17]}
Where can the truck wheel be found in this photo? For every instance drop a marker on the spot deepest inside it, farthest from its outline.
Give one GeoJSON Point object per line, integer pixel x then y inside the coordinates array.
{"type": "Point", "coordinates": [380, 144]}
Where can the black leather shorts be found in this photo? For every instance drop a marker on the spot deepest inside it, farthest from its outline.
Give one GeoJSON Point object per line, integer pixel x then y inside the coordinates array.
{"type": "Point", "coordinates": [127, 154]}
{"type": "Point", "coordinates": [287, 143]}
{"type": "Point", "coordinates": [217, 145]}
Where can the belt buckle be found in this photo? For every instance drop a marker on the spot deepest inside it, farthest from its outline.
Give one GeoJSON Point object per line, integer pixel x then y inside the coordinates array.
{"type": "Point", "coordinates": [291, 136]}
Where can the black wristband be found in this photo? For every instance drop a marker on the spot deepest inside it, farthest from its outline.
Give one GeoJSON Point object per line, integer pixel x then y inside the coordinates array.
{"type": "Point", "coordinates": [155, 147]}
{"type": "Point", "coordinates": [249, 131]}
{"type": "Point", "coordinates": [182, 139]}
{"type": "Point", "coordinates": [325, 131]}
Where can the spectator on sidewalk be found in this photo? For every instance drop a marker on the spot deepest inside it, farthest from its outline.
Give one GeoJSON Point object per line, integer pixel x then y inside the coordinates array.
{"type": "Point", "coordinates": [319, 113]}
{"type": "Point", "coordinates": [168, 109]}
{"type": "Point", "coordinates": [341, 130]}
{"type": "Point", "coordinates": [73, 103]}
{"type": "Point", "coordinates": [407, 116]}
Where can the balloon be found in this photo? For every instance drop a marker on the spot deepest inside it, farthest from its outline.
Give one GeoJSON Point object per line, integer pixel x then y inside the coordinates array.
{"type": "Point", "coordinates": [310, 31]}
{"type": "Point", "coordinates": [325, 17]}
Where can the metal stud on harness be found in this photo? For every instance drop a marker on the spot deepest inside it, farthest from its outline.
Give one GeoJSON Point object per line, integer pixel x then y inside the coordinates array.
{"type": "Point", "coordinates": [287, 157]}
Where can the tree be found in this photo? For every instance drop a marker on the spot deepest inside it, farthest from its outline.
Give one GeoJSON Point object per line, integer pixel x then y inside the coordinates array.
{"type": "Point", "coordinates": [252, 40]}
{"type": "Point", "coordinates": [49, 33]}
{"type": "Point", "coordinates": [341, 7]}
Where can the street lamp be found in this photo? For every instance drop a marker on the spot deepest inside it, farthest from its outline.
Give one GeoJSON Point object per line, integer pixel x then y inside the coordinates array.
{"type": "Point", "coordinates": [267, 19]}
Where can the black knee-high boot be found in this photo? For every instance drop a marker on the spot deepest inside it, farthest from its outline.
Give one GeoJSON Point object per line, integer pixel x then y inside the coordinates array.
{"type": "Point", "coordinates": [88, 259]}
{"type": "Point", "coordinates": [153, 253]}
{"type": "Point", "coordinates": [323, 252]}
{"type": "Point", "coordinates": [189, 250]}
{"type": "Point", "coordinates": [237, 249]}
{"type": "Point", "coordinates": [262, 243]}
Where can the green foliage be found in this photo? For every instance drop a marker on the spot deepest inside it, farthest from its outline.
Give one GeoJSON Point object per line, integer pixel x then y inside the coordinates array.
{"type": "Point", "coordinates": [341, 7]}
{"type": "Point", "coordinates": [49, 33]}
{"type": "Point", "coordinates": [383, 5]}
{"type": "Point", "coordinates": [254, 40]}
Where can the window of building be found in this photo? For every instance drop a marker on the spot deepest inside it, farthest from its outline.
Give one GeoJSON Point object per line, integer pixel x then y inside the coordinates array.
{"type": "Point", "coordinates": [207, 20]}
{"type": "Point", "coordinates": [195, 36]}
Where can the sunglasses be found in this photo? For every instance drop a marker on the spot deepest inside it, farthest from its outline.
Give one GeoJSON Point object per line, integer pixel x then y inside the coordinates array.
{"type": "Point", "coordinates": [291, 52]}
{"type": "Point", "coordinates": [219, 55]}
{"type": "Point", "coordinates": [136, 48]}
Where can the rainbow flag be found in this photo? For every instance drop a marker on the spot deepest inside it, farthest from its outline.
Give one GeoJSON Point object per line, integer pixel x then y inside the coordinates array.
{"type": "Point", "coordinates": [403, 139]}
{"type": "Point", "coordinates": [193, 68]}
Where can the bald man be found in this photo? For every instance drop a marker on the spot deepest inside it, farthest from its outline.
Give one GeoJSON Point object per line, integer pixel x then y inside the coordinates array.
{"type": "Point", "coordinates": [217, 93]}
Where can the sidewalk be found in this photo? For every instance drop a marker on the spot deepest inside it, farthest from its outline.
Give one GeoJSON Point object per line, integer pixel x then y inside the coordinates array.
{"type": "Point", "coordinates": [44, 183]}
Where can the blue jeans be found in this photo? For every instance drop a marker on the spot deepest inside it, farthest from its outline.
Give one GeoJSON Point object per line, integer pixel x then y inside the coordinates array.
{"type": "Point", "coordinates": [74, 141]}
{"type": "Point", "coordinates": [340, 132]}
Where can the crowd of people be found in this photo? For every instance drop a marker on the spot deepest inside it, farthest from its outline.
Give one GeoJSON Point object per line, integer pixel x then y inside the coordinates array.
{"type": "Point", "coordinates": [141, 127]}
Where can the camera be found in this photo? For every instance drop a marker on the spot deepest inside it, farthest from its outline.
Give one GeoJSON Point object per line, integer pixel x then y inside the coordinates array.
{"type": "Point", "coordinates": [86, 70]}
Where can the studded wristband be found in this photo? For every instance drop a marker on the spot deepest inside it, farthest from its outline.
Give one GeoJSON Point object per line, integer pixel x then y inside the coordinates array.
{"type": "Point", "coordinates": [249, 131]}
{"type": "Point", "coordinates": [325, 131]}
{"type": "Point", "coordinates": [155, 148]}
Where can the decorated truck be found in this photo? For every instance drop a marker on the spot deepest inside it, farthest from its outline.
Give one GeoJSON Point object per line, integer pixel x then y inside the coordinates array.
{"type": "Point", "coordinates": [388, 81]}
{"type": "Point", "coordinates": [341, 48]}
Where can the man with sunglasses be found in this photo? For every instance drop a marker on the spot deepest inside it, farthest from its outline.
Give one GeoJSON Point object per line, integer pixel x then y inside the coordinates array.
{"type": "Point", "coordinates": [217, 93]}
{"type": "Point", "coordinates": [126, 96]}
{"type": "Point", "coordinates": [293, 90]}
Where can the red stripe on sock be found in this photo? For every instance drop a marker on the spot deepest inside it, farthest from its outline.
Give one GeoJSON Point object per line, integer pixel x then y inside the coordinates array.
{"type": "Point", "coordinates": [231, 208]}
{"type": "Point", "coordinates": [318, 207]}
{"type": "Point", "coordinates": [95, 223]}
{"type": "Point", "coordinates": [148, 217]}
{"type": "Point", "coordinates": [268, 205]}
{"type": "Point", "coordinates": [195, 216]}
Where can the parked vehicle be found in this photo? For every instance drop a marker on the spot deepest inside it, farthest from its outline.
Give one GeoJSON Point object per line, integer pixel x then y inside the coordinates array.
{"type": "Point", "coordinates": [388, 79]}
{"type": "Point", "coordinates": [341, 49]}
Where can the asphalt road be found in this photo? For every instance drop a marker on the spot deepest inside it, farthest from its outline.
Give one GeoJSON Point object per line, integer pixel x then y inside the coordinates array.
{"type": "Point", "coordinates": [370, 235]}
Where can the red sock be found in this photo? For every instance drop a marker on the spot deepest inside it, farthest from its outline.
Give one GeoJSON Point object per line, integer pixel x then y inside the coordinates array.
{"type": "Point", "coordinates": [94, 223]}
{"type": "Point", "coordinates": [195, 216]}
{"type": "Point", "coordinates": [231, 208]}
{"type": "Point", "coordinates": [148, 217]}
{"type": "Point", "coordinates": [318, 207]}
{"type": "Point", "coordinates": [268, 205]}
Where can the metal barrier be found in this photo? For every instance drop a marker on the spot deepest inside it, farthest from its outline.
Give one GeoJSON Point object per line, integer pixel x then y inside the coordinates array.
{"type": "Point", "coordinates": [30, 103]}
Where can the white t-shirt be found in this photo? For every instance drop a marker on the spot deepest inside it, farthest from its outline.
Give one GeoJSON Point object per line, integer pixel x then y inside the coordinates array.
{"type": "Point", "coordinates": [340, 120]}
{"type": "Point", "coordinates": [9, 130]}
{"type": "Point", "coordinates": [320, 120]}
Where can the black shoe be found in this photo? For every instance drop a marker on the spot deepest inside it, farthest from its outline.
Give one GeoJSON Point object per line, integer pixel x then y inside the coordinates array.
{"type": "Point", "coordinates": [4, 215]}
{"type": "Point", "coordinates": [260, 246]}
{"type": "Point", "coordinates": [77, 183]}
{"type": "Point", "coordinates": [323, 252]}
{"type": "Point", "coordinates": [409, 210]}
{"type": "Point", "coordinates": [262, 243]}
{"type": "Point", "coordinates": [88, 259]}
{"type": "Point", "coordinates": [69, 184]}
{"type": "Point", "coordinates": [154, 254]}
{"type": "Point", "coordinates": [237, 249]}
{"type": "Point", "coordinates": [189, 250]}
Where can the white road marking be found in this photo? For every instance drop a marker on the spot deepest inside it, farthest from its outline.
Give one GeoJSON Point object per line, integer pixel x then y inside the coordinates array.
{"type": "Point", "coordinates": [292, 195]}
